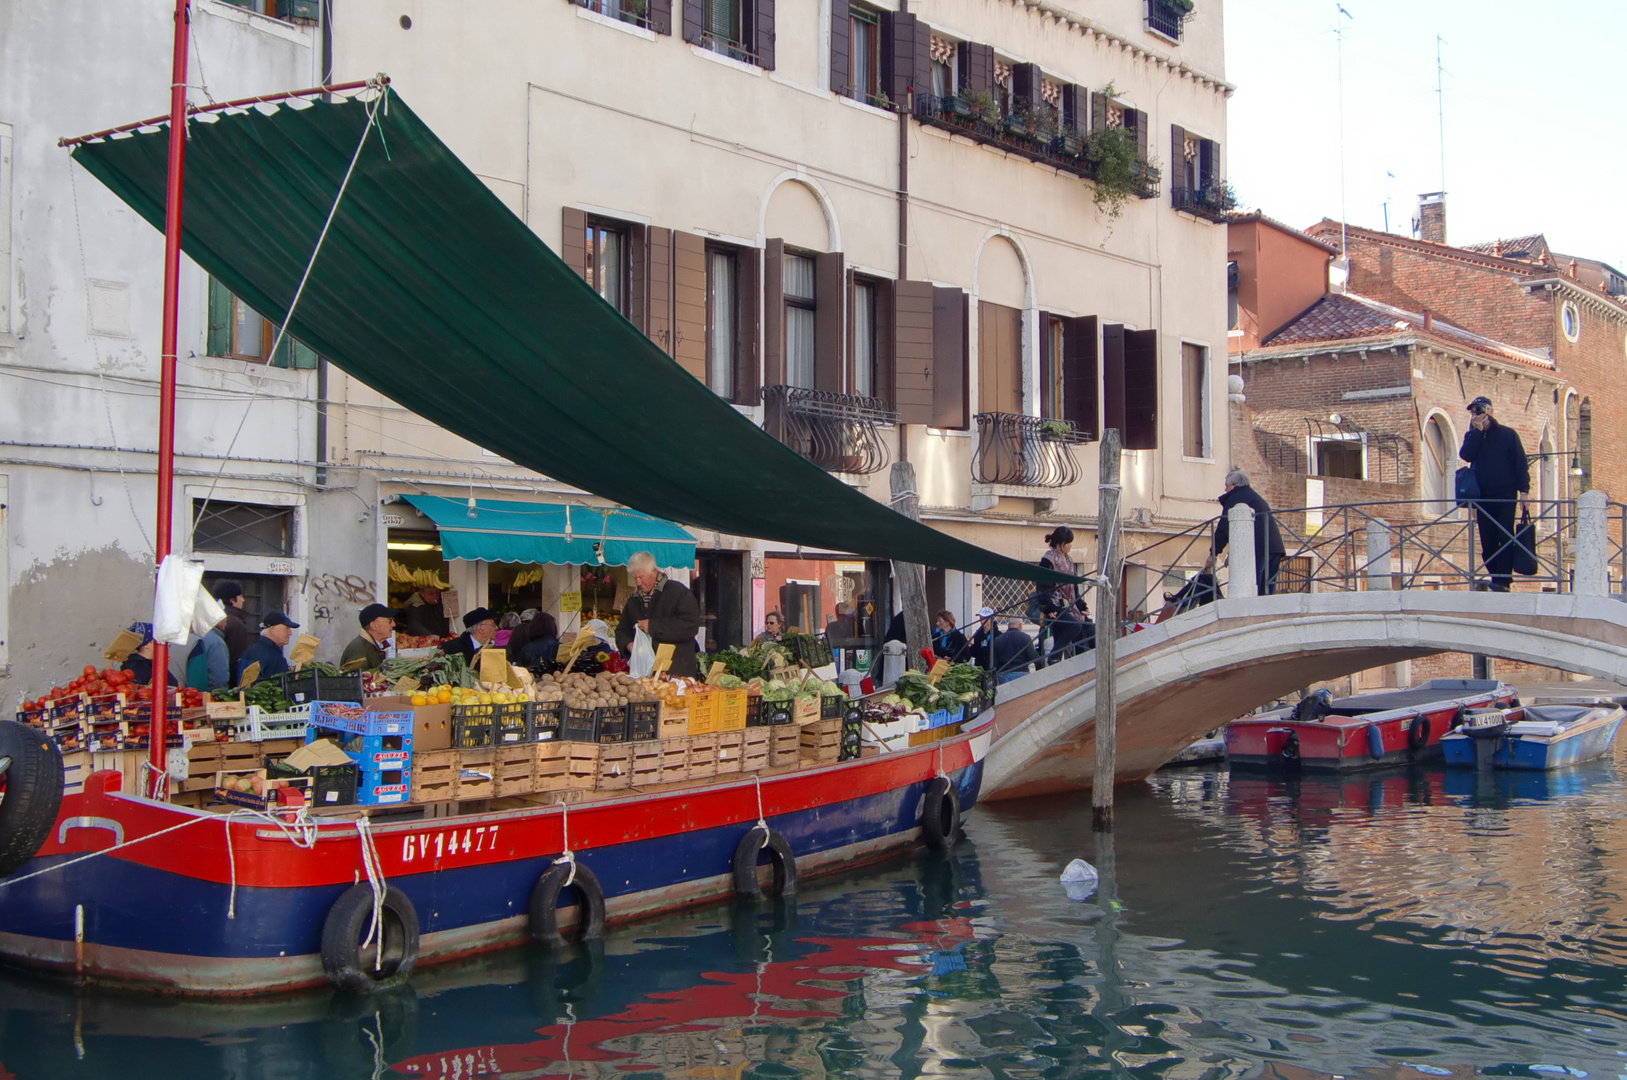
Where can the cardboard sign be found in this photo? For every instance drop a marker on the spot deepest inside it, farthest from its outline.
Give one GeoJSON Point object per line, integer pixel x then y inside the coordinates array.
{"type": "Point", "coordinates": [570, 602]}
{"type": "Point", "coordinates": [663, 659]}
{"type": "Point", "coordinates": [406, 685]}
{"type": "Point", "coordinates": [123, 645]}
{"type": "Point", "coordinates": [716, 669]}
{"type": "Point", "coordinates": [250, 674]}
{"type": "Point", "coordinates": [304, 650]}
{"type": "Point", "coordinates": [449, 604]}
{"type": "Point", "coordinates": [494, 665]}
{"type": "Point", "coordinates": [358, 664]}
{"type": "Point", "coordinates": [584, 638]}
{"type": "Point", "coordinates": [940, 668]}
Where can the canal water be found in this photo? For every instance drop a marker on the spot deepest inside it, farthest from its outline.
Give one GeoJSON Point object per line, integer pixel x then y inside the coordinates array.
{"type": "Point", "coordinates": [1393, 925]}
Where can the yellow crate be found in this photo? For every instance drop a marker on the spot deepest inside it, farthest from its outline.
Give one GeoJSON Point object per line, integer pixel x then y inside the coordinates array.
{"type": "Point", "coordinates": [731, 710]}
{"type": "Point", "coordinates": [703, 712]}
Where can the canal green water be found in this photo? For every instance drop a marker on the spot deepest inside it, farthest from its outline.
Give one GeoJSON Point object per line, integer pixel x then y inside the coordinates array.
{"type": "Point", "coordinates": [1395, 925]}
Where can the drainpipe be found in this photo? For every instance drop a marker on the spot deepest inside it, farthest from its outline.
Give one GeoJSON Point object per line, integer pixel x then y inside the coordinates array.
{"type": "Point", "coordinates": [908, 104]}
{"type": "Point", "coordinates": [321, 456]}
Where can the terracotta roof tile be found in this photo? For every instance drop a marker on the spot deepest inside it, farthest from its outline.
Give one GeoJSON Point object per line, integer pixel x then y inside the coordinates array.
{"type": "Point", "coordinates": [1514, 247]}
{"type": "Point", "coordinates": [1347, 317]}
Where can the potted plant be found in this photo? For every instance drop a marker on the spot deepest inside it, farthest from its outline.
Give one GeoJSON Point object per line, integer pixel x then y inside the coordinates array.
{"type": "Point", "coordinates": [959, 106]}
{"type": "Point", "coordinates": [1069, 143]}
{"type": "Point", "coordinates": [1055, 430]}
{"type": "Point", "coordinates": [985, 107]}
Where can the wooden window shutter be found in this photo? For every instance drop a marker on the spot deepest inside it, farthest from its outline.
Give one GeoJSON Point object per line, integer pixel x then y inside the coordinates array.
{"type": "Point", "coordinates": [1098, 111]}
{"type": "Point", "coordinates": [573, 247]}
{"type": "Point", "coordinates": [659, 261]}
{"type": "Point", "coordinates": [763, 34]}
{"type": "Point", "coordinates": [1208, 162]}
{"type": "Point", "coordinates": [885, 343]}
{"type": "Point", "coordinates": [999, 358]}
{"type": "Point", "coordinates": [1141, 389]}
{"type": "Point", "coordinates": [913, 352]}
{"type": "Point", "coordinates": [774, 313]}
{"type": "Point", "coordinates": [694, 21]}
{"type": "Point", "coordinates": [1140, 119]}
{"type": "Point", "coordinates": [748, 379]}
{"type": "Point", "coordinates": [219, 341]}
{"type": "Point", "coordinates": [898, 41]}
{"type": "Point", "coordinates": [1079, 374]}
{"type": "Point", "coordinates": [1177, 160]}
{"type": "Point", "coordinates": [841, 30]}
{"type": "Point", "coordinates": [660, 16]}
{"type": "Point", "coordinates": [1113, 377]}
{"type": "Point", "coordinates": [689, 302]}
{"type": "Point", "coordinates": [1025, 87]}
{"type": "Point", "coordinates": [638, 277]}
{"type": "Point", "coordinates": [829, 294]}
{"type": "Point", "coordinates": [291, 354]}
{"type": "Point", "coordinates": [1075, 107]}
{"type": "Point", "coordinates": [921, 81]}
{"type": "Point", "coordinates": [949, 381]}
{"type": "Point", "coordinates": [976, 66]}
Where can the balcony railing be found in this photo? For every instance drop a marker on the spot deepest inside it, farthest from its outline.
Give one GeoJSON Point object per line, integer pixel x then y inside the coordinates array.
{"type": "Point", "coordinates": [1164, 17]}
{"type": "Point", "coordinates": [636, 12]}
{"type": "Point", "coordinates": [1025, 451]}
{"type": "Point", "coordinates": [1212, 203]}
{"type": "Point", "coordinates": [838, 432]}
{"type": "Point", "coordinates": [726, 45]}
{"type": "Point", "coordinates": [1062, 148]}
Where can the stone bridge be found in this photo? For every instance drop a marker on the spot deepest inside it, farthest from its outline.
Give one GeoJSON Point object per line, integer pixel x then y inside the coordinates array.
{"type": "Point", "coordinates": [1189, 674]}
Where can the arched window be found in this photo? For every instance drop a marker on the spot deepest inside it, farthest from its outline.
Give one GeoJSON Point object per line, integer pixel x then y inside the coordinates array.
{"type": "Point", "coordinates": [1437, 465]}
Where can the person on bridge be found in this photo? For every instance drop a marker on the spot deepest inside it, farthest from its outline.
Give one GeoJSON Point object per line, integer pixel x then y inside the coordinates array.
{"type": "Point", "coordinates": [1061, 605]}
{"type": "Point", "coordinates": [1268, 549]}
{"type": "Point", "coordinates": [1497, 457]}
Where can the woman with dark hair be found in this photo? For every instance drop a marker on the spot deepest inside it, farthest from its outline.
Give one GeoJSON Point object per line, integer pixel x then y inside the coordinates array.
{"type": "Point", "coordinates": [947, 642]}
{"type": "Point", "coordinates": [542, 640]}
{"type": "Point", "coordinates": [1062, 605]}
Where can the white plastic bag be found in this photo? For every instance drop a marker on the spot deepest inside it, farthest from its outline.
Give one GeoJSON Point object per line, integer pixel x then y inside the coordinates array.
{"type": "Point", "coordinates": [642, 662]}
{"type": "Point", "coordinates": [207, 612]}
{"type": "Point", "coordinates": [1079, 880]}
{"type": "Point", "coordinates": [179, 582]}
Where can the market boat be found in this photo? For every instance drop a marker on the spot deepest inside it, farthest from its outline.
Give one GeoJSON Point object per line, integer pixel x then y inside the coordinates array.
{"type": "Point", "coordinates": [1539, 737]}
{"type": "Point", "coordinates": [1365, 731]}
{"type": "Point", "coordinates": [118, 882]}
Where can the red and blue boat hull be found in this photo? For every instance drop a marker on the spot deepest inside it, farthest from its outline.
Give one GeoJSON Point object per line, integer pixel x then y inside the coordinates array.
{"type": "Point", "coordinates": [188, 911]}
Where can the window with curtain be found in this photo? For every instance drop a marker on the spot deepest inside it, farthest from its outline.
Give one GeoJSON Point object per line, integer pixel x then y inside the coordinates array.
{"type": "Point", "coordinates": [864, 338]}
{"type": "Point", "coordinates": [799, 321]}
{"type": "Point", "coordinates": [238, 331]}
{"type": "Point", "coordinates": [722, 319]}
{"type": "Point", "coordinates": [607, 262]}
{"type": "Point", "coordinates": [1050, 367]}
{"type": "Point", "coordinates": [865, 42]}
{"type": "Point", "coordinates": [723, 21]}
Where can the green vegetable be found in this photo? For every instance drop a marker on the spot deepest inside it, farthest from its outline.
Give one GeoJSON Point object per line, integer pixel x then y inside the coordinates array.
{"type": "Point", "coordinates": [729, 682]}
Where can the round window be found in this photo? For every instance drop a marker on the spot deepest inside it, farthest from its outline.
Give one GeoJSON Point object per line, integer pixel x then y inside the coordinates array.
{"type": "Point", "coordinates": [1570, 320]}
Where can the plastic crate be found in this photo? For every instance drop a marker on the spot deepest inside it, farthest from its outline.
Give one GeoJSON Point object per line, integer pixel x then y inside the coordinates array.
{"type": "Point", "coordinates": [643, 721]}
{"type": "Point", "coordinates": [754, 711]}
{"type": "Point", "coordinates": [472, 730]}
{"type": "Point", "coordinates": [815, 652]}
{"type": "Point", "coordinates": [545, 721]}
{"type": "Point", "coordinates": [305, 687]}
{"type": "Point", "coordinates": [731, 710]}
{"type": "Point", "coordinates": [383, 787]}
{"type": "Point", "coordinates": [262, 725]}
{"type": "Point", "coordinates": [331, 785]}
{"type": "Point", "coordinates": [577, 725]}
{"type": "Point", "coordinates": [512, 723]}
{"type": "Point", "coordinates": [610, 724]}
{"type": "Point", "coordinates": [377, 751]}
{"type": "Point", "coordinates": [777, 713]}
{"type": "Point", "coordinates": [703, 708]}
{"type": "Point", "coordinates": [351, 719]}
{"type": "Point", "coordinates": [832, 706]}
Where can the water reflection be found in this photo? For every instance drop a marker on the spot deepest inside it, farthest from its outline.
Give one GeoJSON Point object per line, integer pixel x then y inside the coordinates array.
{"type": "Point", "coordinates": [1403, 925]}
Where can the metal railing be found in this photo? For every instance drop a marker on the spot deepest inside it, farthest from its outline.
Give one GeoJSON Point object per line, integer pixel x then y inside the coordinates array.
{"type": "Point", "coordinates": [1025, 451]}
{"type": "Point", "coordinates": [1212, 203]}
{"type": "Point", "coordinates": [636, 12]}
{"type": "Point", "coordinates": [728, 46]}
{"type": "Point", "coordinates": [1165, 18]}
{"type": "Point", "coordinates": [838, 432]}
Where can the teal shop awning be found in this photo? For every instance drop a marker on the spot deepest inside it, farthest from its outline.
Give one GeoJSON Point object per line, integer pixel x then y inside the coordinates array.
{"type": "Point", "coordinates": [431, 291]}
{"type": "Point", "coordinates": [525, 532]}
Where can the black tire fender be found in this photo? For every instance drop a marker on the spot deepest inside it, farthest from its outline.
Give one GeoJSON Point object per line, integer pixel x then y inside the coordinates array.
{"type": "Point", "coordinates": [1418, 734]}
{"type": "Point", "coordinates": [544, 907]}
{"type": "Point", "coordinates": [32, 784]}
{"type": "Point", "coordinates": [346, 925]}
{"type": "Point", "coordinates": [758, 839]}
{"type": "Point", "coordinates": [940, 815]}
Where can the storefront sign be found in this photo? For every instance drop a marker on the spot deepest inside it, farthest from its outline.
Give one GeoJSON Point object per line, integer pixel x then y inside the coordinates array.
{"type": "Point", "coordinates": [392, 521]}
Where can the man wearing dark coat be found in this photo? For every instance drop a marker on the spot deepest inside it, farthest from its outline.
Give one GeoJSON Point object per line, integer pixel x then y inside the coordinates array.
{"type": "Point", "coordinates": [1500, 467]}
{"type": "Point", "coordinates": [663, 609]}
{"type": "Point", "coordinates": [1268, 549]}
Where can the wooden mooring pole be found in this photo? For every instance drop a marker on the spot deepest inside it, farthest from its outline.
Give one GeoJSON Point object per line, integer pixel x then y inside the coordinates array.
{"type": "Point", "coordinates": [911, 577]}
{"type": "Point", "coordinates": [1109, 546]}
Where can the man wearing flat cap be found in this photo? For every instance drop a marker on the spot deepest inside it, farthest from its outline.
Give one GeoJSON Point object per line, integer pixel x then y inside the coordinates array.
{"type": "Point", "coordinates": [1497, 456]}
{"type": "Point", "coordinates": [275, 630]}
{"type": "Point", "coordinates": [481, 628]}
{"type": "Point", "coordinates": [366, 650]}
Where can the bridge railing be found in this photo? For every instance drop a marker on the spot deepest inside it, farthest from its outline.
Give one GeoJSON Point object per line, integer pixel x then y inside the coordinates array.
{"type": "Point", "coordinates": [1400, 544]}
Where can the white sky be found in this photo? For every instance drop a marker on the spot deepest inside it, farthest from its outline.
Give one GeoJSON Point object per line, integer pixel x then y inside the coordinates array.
{"type": "Point", "coordinates": [1536, 115]}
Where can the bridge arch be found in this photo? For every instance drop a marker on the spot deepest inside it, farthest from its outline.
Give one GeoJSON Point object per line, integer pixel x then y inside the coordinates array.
{"type": "Point", "coordinates": [1244, 653]}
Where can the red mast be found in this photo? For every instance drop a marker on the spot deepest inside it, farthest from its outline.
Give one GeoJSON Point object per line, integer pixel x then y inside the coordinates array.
{"type": "Point", "coordinates": [158, 733]}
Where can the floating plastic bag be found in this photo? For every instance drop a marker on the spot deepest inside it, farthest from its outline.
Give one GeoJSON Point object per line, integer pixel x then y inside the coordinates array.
{"type": "Point", "coordinates": [642, 662]}
{"type": "Point", "coordinates": [179, 582]}
{"type": "Point", "coordinates": [206, 613]}
{"type": "Point", "coordinates": [1079, 880]}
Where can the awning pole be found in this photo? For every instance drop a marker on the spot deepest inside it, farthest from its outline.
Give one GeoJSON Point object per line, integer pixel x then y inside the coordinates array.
{"type": "Point", "coordinates": [158, 731]}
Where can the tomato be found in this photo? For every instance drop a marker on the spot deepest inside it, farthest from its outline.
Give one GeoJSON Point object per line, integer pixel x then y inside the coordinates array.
{"type": "Point", "coordinates": [90, 669]}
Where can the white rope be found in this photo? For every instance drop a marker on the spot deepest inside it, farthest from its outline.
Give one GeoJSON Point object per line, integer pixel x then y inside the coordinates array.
{"type": "Point", "coordinates": [231, 861]}
{"type": "Point", "coordinates": [375, 881]}
{"type": "Point", "coordinates": [282, 331]}
{"type": "Point", "coordinates": [762, 822]}
{"type": "Point", "coordinates": [565, 842]}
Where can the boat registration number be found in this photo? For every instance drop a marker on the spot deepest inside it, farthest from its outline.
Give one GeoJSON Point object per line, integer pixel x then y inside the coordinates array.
{"type": "Point", "coordinates": [447, 842]}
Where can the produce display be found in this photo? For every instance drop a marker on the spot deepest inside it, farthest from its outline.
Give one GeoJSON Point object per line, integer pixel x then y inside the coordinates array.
{"type": "Point", "coordinates": [267, 695]}
{"type": "Point", "coordinates": [606, 689]}
{"type": "Point", "coordinates": [95, 683]}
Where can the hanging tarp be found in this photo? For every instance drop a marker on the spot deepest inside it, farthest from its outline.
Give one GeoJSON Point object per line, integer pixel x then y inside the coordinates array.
{"type": "Point", "coordinates": [428, 289]}
{"type": "Point", "coordinates": [525, 532]}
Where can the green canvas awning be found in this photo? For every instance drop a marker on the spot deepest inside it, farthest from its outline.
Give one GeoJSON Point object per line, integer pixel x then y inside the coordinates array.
{"type": "Point", "coordinates": [431, 291]}
{"type": "Point", "coordinates": [525, 532]}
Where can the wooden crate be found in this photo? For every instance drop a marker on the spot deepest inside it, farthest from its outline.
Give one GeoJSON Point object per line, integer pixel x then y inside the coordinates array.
{"type": "Point", "coordinates": [475, 784]}
{"type": "Point", "coordinates": [674, 760]}
{"type": "Point", "coordinates": [754, 749]}
{"type": "Point", "coordinates": [821, 740]}
{"type": "Point", "coordinates": [435, 776]}
{"type": "Point", "coordinates": [514, 770]}
{"type": "Point", "coordinates": [240, 755]}
{"type": "Point", "coordinates": [562, 766]}
{"type": "Point", "coordinates": [674, 723]}
{"type": "Point", "coordinates": [729, 748]}
{"type": "Point", "coordinates": [646, 763]}
{"type": "Point", "coordinates": [615, 767]}
{"type": "Point", "coordinates": [784, 745]}
{"type": "Point", "coordinates": [702, 756]}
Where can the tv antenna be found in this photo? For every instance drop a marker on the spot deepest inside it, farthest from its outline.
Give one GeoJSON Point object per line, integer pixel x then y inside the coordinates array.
{"type": "Point", "coordinates": [1440, 104]}
{"type": "Point", "coordinates": [1344, 209]}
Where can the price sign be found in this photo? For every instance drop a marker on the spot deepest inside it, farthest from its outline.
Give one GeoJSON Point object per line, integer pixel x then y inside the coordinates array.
{"type": "Point", "coordinates": [570, 602]}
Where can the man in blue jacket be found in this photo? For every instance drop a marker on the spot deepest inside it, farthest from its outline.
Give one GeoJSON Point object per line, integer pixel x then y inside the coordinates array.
{"type": "Point", "coordinates": [1498, 459]}
{"type": "Point", "coordinates": [276, 630]}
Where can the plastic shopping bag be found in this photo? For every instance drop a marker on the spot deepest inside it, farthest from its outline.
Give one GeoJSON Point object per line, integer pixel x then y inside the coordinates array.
{"type": "Point", "coordinates": [206, 613]}
{"type": "Point", "coordinates": [179, 581]}
{"type": "Point", "coordinates": [642, 662]}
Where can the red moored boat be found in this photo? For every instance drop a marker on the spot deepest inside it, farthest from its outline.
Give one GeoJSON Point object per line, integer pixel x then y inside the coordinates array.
{"type": "Point", "coordinates": [1366, 731]}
